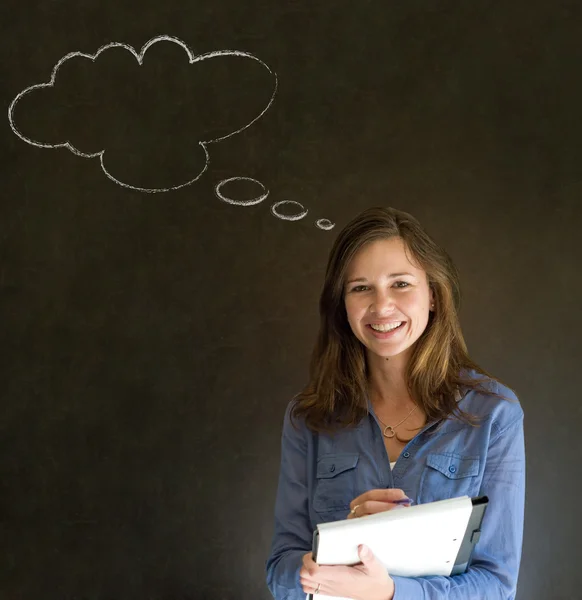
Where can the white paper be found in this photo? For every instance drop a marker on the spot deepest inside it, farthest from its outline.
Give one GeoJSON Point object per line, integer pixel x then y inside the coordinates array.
{"type": "Point", "coordinates": [413, 542]}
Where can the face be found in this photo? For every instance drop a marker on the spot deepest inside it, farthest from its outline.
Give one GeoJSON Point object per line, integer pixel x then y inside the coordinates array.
{"type": "Point", "coordinates": [384, 289]}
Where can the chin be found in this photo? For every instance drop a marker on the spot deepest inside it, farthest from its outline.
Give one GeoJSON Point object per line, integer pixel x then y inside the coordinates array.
{"type": "Point", "coordinates": [386, 352]}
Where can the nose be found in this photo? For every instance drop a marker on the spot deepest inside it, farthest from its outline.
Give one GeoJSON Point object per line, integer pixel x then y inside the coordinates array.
{"type": "Point", "coordinates": [382, 304]}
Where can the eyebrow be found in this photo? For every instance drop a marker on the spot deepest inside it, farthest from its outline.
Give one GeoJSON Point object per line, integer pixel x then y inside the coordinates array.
{"type": "Point", "coordinates": [391, 276]}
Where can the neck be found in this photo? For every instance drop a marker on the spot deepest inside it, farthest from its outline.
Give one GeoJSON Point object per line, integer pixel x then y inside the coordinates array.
{"type": "Point", "coordinates": [387, 383]}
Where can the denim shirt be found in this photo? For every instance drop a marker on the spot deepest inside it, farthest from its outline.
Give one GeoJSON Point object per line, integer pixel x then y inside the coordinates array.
{"type": "Point", "coordinates": [321, 474]}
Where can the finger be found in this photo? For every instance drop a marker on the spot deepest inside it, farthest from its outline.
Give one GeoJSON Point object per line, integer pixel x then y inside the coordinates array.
{"type": "Point", "coordinates": [373, 507]}
{"type": "Point", "coordinates": [309, 567]}
{"type": "Point", "coordinates": [310, 588]}
{"type": "Point", "coordinates": [307, 582]}
{"type": "Point", "coordinates": [326, 576]}
{"type": "Point", "coordinates": [367, 557]}
{"type": "Point", "coordinates": [330, 574]}
{"type": "Point", "coordinates": [379, 495]}
{"type": "Point", "coordinates": [309, 575]}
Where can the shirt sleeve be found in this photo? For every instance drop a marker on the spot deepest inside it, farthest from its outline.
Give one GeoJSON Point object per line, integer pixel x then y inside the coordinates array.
{"type": "Point", "coordinates": [496, 558]}
{"type": "Point", "coordinates": [293, 535]}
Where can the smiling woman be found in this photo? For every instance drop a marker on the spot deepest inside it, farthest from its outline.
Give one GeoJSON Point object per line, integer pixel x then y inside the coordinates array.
{"type": "Point", "coordinates": [387, 311]}
{"type": "Point", "coordinates": [395, 411]}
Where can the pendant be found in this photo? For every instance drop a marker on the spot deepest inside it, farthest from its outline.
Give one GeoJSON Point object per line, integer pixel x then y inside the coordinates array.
{"type": "Point", "coordinates": [391, 434]}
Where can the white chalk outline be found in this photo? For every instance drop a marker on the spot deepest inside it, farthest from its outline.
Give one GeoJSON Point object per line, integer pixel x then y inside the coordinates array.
{"type": "Point", "coordinates": [288, 217]}
{"type": "Point", "coordinates": [139, 57]}
{"type": "Point", "coordinates": [324, 224]}
{"type": "Point", "coordinates": [250, 202]}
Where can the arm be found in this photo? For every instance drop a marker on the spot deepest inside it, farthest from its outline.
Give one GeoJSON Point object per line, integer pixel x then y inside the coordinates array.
{"type": "Point", "coordinates": [496, 558]}
{"type": "Point", "coordinates": [292, 537]}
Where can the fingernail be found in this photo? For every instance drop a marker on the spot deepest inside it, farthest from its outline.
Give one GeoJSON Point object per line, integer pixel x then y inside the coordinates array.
{"type": "Point", "coordinates": [403, 501]}
{"type": "Point", "coordinates": [363, 551]}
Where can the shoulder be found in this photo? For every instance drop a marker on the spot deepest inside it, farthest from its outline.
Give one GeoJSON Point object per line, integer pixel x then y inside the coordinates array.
{"type": "Point", "coordinates": [293, 426]}
{"type": "Point", "coordinates": [497, 403]}
{"type": "Point", "coordinates": [287, 416]}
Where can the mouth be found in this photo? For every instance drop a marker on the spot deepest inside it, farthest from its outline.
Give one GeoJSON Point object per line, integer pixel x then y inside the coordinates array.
{"type": "Point", "coordinates": [384, 331]}
{"type": "Point", "coordinates": [385, 327]}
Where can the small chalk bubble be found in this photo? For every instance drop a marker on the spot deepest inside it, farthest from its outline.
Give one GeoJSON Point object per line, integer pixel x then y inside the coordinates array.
{"type": "Point", "coordinates": [325, 224]}
{"type": "Point", "coordinates": [251, 202]}
{"type": "Point", "coordinates": [295, 217]}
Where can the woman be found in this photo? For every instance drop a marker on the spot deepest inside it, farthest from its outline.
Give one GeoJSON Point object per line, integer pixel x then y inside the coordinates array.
{"type": "Point", "coordinates": [395, 408]}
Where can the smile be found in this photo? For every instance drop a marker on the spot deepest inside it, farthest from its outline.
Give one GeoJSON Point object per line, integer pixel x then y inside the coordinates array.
{"type": "Point", "coordinates": [383, 328]}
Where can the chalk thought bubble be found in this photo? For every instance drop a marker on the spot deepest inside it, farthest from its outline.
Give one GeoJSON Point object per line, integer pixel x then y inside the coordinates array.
{"type": "Point", "coordinates": [239, 202]}
{"type": "Point", "coordinates": [148, 116]}
{"type": "Point", "coordinates": [282, 210]}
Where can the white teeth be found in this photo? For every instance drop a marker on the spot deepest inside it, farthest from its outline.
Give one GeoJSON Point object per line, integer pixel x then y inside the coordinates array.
{"type": "Point", "coordinates": [387, 327]}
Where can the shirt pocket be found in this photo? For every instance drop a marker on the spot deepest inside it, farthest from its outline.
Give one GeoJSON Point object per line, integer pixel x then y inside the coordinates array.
{"type": "Point", "coordinates": [335, 482]}
{"type": "Point", "coordinates": [448, 475]}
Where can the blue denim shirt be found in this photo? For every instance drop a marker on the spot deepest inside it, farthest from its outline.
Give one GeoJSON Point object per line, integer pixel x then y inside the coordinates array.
{"type": "Point", "coordinates": [321, 474]}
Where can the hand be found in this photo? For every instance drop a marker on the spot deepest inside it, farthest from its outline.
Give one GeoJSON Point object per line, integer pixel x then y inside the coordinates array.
{"type": "Point", "coordinates": [376, 501]}
{"type": "Point", "coordinates": [367, 580]}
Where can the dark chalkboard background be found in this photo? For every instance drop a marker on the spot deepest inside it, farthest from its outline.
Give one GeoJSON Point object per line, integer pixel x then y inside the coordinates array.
{"type": "Point", "coordinates": [151, 341]}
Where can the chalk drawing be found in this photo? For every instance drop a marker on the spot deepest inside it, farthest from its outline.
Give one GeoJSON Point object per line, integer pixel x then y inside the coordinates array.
{"type": "Point", "coordinates": [325, 224]}
{"type": "Point", "coordinates": [257, 200]}
{"type": "Point", "coordinates": [139, 56]}
{"type": "Point", "coordinates": [296, 217]}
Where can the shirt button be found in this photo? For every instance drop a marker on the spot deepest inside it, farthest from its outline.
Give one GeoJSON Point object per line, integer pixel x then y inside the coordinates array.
{"type": "Point", "coordinates": [406, 454]}
{"type": "Point", "coordinates": [453, 469]}
{"type": "Point", "coordinates": [332, 468]}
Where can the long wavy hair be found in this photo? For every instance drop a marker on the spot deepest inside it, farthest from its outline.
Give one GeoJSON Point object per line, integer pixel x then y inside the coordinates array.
{"type": "Point", "coordinates": [336, 395]}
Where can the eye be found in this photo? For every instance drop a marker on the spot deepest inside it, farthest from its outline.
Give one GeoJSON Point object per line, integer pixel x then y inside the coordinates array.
{"type": "Point", "coordinates": [360, 288]}
{"type": "Point", "coordinates": [406, 284]}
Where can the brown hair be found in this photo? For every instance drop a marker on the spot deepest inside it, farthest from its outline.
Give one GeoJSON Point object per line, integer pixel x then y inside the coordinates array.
{"type": "Point", "coordinates": [336, 395]}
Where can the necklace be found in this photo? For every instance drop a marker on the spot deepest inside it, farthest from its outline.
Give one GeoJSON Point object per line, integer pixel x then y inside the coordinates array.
{"type": "Point", "coordinates": [392, 429]}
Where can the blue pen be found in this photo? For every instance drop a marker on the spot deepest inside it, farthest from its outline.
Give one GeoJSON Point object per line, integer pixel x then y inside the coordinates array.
{"type": "Point", "coordinates": [403, 501]}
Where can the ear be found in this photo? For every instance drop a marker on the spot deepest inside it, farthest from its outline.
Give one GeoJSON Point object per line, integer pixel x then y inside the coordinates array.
{"type": "Point", "coordinates": [430, 296]}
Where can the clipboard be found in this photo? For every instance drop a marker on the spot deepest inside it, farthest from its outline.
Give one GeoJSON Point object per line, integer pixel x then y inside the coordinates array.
{"type": "Point", "coordinates": [436, 538]}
